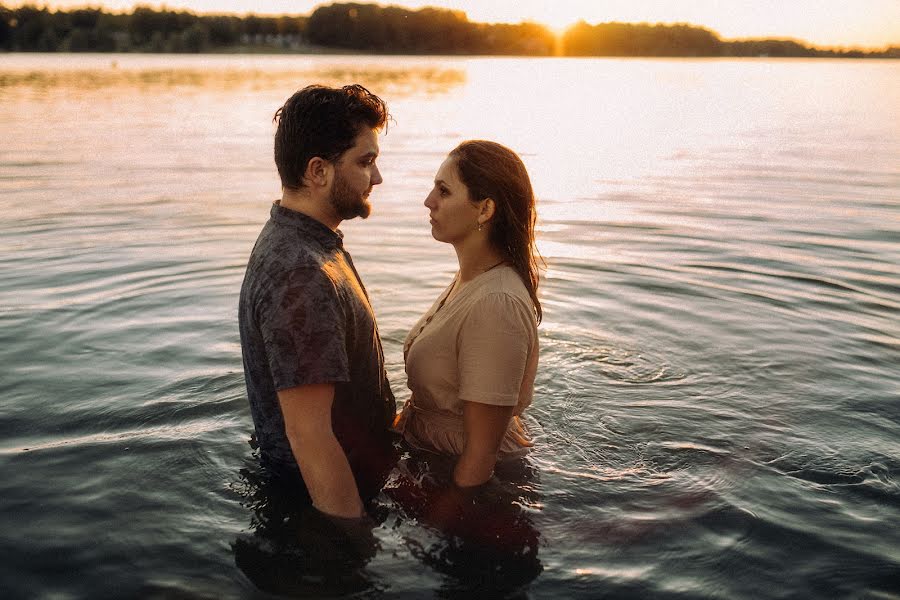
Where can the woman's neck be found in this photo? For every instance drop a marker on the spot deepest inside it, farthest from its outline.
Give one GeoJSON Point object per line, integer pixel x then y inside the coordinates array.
{"type": "Point", "coordinates": [475, 257]}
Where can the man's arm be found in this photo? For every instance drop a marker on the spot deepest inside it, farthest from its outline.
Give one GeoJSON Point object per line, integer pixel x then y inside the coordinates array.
{"type": "Point", "coordinates": [485, 426]}
{"type": "Point", "coordinates": [323, 463]}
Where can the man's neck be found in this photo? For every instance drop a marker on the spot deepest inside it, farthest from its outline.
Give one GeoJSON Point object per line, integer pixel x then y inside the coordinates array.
{"type": "Point", "coordinates": [302, 201]}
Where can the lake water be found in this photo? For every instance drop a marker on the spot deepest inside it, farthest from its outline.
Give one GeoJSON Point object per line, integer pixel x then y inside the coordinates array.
{"type": "Point", "coordinates": [717, 410]}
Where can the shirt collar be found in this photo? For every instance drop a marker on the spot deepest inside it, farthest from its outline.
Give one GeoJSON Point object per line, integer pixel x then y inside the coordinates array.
{"type": "Point", "coordinates": [308, 226]}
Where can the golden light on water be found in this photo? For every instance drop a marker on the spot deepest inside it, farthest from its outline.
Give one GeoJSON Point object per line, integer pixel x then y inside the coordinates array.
{"type": "Point", "coordinates": [581, 133]}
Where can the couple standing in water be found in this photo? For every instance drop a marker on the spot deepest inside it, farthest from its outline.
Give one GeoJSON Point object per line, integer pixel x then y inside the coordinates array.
{"type": "Point", "coordinates": [322, 406]}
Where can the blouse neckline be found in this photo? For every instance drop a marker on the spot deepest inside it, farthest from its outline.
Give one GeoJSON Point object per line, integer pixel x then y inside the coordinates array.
{"type": "Point", "coordinates": [445, 301]}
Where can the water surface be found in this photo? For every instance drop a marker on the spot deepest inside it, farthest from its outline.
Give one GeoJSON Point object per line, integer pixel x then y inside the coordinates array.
{"type": "Point", "coordinates": [716, 413]}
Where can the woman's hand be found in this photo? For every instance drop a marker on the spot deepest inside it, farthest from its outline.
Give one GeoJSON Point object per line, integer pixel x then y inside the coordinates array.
{"type": "Point", "coordinates": [485, 426]}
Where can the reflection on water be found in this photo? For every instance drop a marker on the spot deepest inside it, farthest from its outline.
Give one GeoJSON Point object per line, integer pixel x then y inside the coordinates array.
{"type": "Point", "coordinates": [292, 549]}
{"type": "Point", "coordinates": [422, 80]}
{"type": "Point", "coordinates": [220, 73]}
{"type": "Point", "coordinates": [715, 412]}
{"type": "Point", "coordinates": [481, 542]}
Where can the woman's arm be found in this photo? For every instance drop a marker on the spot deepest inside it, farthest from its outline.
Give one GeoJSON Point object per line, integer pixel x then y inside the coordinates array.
{"type": "Point", "coordinates": [485, 426]}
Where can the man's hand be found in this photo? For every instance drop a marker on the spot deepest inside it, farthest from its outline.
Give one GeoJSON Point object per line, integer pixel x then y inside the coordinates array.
{"type": "Point", "coordinates": [323, 463]}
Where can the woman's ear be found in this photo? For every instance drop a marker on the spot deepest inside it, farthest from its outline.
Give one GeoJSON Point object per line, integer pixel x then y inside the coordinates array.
{"type": "Point", "coordinates": [488, 207]}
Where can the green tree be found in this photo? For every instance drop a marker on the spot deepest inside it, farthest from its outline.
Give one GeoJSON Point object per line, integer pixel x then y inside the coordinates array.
{"type": "Point", "coordinates": [195, 38]}
{"type": "Point", "coordinates": [85, 18]}
{"type": "Point", "coordinates": [627, 39]}
{"type": "Point", "coordinates": [7, 18]}
{"type": "Point", "coordinates": [30, 24]}
{"type": "Point", "coordinates": [223, 31]}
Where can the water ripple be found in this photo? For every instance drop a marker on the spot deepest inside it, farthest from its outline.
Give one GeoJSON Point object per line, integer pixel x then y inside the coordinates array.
{"type": "Point", "coordinates": [162, 433]}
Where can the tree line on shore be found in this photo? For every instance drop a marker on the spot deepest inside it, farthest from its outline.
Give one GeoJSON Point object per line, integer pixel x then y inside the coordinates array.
{"type": "Point", "coordinates": [369, 28]}
{"type": "Point", "coordinates": [32, 29]}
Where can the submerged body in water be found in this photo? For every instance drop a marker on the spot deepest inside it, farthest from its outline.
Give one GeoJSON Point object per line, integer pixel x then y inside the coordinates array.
{"type": "Point", "coordinates": [481, 542]}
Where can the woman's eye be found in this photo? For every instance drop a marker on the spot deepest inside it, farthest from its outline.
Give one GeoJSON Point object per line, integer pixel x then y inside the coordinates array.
{"type": "Point", "coordinates": [444, 191]}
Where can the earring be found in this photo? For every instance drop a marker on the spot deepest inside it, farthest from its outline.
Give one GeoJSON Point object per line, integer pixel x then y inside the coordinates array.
{"type": "Point", "coordinates": [480, 226]}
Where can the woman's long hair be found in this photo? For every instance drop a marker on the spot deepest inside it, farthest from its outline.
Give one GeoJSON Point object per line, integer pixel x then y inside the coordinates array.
{"type": "Point", "coordinates": [493, 171]}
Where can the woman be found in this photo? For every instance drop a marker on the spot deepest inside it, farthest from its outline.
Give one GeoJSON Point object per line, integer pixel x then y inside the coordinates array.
{"type": "Point", "coordinates": [471, 359]}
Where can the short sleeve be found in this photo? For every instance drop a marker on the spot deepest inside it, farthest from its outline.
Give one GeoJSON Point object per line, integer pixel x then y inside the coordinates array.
{"type": "Point", "coordinates": [492, 350]}
{"type": "Point", "coordinates": [302, 326]}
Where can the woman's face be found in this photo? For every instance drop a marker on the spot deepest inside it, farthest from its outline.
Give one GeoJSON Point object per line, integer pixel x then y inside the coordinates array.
{"type": "Point", "coordinates": [454, 216]}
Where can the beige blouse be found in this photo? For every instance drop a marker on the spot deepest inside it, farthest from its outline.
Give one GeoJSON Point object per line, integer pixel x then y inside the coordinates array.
{"type": "Point", "coordinates": [481, 345]}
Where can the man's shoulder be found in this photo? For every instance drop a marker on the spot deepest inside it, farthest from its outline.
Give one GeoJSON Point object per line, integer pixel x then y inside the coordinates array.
{"type": "Point", "coordinates": [278, 252]}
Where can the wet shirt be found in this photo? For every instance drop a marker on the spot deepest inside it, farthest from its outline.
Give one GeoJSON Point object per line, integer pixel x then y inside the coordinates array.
{"type": "Point", "coordinates": [479, 346]}
{"type": "Point", "coordinates": [305, 318]}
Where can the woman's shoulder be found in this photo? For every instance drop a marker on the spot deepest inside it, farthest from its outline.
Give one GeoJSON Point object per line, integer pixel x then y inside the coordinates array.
{"type": "Point", "coordinates": [501, 294]}
{"type": "Point", "coordinates": [504, 283]}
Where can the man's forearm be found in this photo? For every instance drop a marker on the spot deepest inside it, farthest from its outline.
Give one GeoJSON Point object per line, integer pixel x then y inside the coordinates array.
{"type": "Point", "coordinates": [327, 475]}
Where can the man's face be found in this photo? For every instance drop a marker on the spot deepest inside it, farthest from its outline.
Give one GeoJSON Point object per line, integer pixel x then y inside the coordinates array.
{"type": "Point", "coordinates": [355, 173]}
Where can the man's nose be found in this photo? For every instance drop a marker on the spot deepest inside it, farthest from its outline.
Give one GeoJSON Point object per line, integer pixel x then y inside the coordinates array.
{"type": "Point", "coordinates": [376, 176]}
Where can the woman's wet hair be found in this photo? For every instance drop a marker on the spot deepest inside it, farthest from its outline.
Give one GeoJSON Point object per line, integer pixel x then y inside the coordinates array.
{"type": "Point", "coordinates": [491, 170]}
{"type": "Point", "coordinates": [324, 122]}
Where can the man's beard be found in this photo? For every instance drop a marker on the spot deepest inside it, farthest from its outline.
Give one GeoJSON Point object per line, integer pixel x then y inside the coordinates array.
{"type": "Point", "coordinates": [347, 203]}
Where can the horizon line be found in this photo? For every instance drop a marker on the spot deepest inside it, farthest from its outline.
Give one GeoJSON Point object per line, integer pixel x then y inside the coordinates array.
{"type": "Point", "coordinates": [557, 31]}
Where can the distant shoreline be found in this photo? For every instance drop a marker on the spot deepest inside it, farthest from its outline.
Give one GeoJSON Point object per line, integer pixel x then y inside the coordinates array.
{"type": "Point", "coordinates": [375, 30]}
{"type": "Point", "coordinates": [331, 51]}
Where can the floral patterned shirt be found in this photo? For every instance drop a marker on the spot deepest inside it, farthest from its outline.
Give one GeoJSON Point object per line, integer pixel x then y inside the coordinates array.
{"type": "Point", "coordinates": [305, 318]}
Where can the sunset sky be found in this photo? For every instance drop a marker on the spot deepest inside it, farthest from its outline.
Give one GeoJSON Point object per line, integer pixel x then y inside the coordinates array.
{"type": "Point", "coordinates": [866, 23]}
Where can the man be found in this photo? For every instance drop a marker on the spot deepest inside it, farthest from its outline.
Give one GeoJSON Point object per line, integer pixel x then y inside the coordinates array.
{"type": "Point", "coordinates": [313, 362]}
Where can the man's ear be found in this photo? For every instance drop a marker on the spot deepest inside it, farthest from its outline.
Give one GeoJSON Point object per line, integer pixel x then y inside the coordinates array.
{"type": "Point", "coordinates": [318, 172]}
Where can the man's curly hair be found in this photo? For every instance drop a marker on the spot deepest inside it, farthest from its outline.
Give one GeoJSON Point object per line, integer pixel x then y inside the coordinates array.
{"type": "Point", "coordinates": [322, 121]}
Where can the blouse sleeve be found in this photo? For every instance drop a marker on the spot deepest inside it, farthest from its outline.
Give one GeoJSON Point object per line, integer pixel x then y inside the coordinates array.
{"type": "Point", "coordinates": [492, 349]}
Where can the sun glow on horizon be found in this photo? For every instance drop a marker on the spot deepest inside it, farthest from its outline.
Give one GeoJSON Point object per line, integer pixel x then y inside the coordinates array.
{"type": "Point", "coordinates": [834, 23]}
{"type": "Point", "coordinates": [557, 26]}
